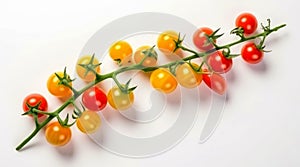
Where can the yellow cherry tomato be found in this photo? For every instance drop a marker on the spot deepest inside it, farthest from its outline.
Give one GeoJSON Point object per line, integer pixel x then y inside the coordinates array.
{"type": "Point", "coordinates": [187, 77]}
{"type": "Point", "coordinates": [57, 89]}
{"type": "Point", "coordinates": [166, 44]}
{"type": "Point", "coordinates": [149, 61]}
{"type": "Point", "coordinates": [121, 51]}
{"type": "Point", "coordinates": [57, 135]}
{"type": "Point", "coordinates": [118, 99]}
{"type": "Point", "coordinates": [88, 122]}
{"type": "Point", "coordinates": [162, 80]}
{"type": "Point", "coordinates": [81, 71]}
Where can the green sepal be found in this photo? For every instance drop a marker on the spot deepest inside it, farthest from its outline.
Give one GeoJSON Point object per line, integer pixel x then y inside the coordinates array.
{"type": "Point", "coordinates": [65, 122]}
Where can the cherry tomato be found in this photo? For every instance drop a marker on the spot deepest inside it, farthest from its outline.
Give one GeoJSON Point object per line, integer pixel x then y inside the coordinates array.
{"type": "Point", "coordinates": [121, 51]}
{"type": "Point", "coordinates": [57, 135]}
{"type": "Point", "coordinates": [90, 76]}
{"type": "Point", "coordinates": [219, 63]}
{"type": "Point", "coordinates": [139, 56]}
{"type": "Point", "coordinates": [166, 43]}
{"type": "Point", "coordinates": [118, 99]}
{"type": "Point", "coordinates": [57, 89]}
{"type": "Point", "coordinates": [247, 21]}
{"type": "Point", "coordinates": [94, 99]}
{"type": "Point", "coordinates": [251, 54]}
{"type": "Point", "coordinates": [215, 82]}
{"type": "Point", "coordinates": [162, 80]}
{"type": "Point", "coordinates": [200, 39]}
{"type": "Point", "coordinates": [187, 77]}
{"type": "Point", "coordinates": [35, 100]}
{"type": "Point", "coordinates": [88, 122]}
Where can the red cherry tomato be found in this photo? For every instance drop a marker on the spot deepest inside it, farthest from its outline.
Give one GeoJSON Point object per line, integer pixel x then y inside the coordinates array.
{"type": "Point", "coordinates": [215, 82]}
{"type": "Point", "coordinates": [247, 21]}
{"type": "Point", "coordinates": [37, 100]}
{"type": "Point", "coordinates": [251, 54]}
{"type": "Point", "coordinates": [219, 63]}
{"type": "Point", "coordinates": [200, 39]}
{"type": "Point", "coordinates": [94, 99]}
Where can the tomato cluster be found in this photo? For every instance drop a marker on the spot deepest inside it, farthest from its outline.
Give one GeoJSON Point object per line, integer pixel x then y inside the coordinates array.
{"type": "Point", "coordinates": [215, 62]}
{"type": "Point", "coordinates": [250, 52]}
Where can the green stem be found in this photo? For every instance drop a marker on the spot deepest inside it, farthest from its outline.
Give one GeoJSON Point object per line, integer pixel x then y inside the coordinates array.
{"type": "Point", "coordinates": [42, 112]}
{"type": "Point", "coordinates": [37, 129]}
{"type": "Point", "coordinates": [265, 33]}
{"type": "Point", "coordinates": [75, 92]}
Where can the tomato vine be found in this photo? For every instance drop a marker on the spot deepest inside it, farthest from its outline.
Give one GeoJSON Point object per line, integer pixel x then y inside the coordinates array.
{"type": "Point", "coordinates": [206, 69]}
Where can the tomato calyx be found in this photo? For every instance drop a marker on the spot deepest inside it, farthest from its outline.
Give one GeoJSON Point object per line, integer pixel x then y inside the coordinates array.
{"type": "Point", "coordinates": [77, 112]}
{"type": "Point", "coordinates": [214, 36]}
{"type": "Point", "coordinates": [239, 31]}
{"type": "Point", "coordinates": [35, 105]}
{"type": "Point", "coordinates": [150, 52]}
{"type": "Point", "coordinates": [34, 110]}
{"type": "Point", "coordinates": [145, 56]}
{"type": "Point", "coordinates": [205, 39]}
{"type": "Point", "coordinates": [90, 66]}
{"type": "Point", "coordinates": [178, 42]}
{"type": "Point", "coordinates": [124, 87]}
{"type": "Point", "coordinates": [65, 80]}
{"type": "Point", "coordinates": [65, 122]}
{"type": "Point", "coordinates": [196, 68]}
{"type": "Point", "coordinates": [227, 53]}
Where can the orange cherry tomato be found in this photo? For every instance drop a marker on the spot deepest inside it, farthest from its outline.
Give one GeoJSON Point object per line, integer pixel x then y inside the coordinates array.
{"type": "Point", "coordinates": [162, 80]}
{"type": "Point", "coordinates": [57, 135]}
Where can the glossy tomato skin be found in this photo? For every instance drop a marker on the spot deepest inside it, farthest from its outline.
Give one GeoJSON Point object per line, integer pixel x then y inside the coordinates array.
{"type": "Point", "coordinates": [166, 43]}
{"type": "Point", "coordinates": [57, 135]}
{"type": "Point", "coordinates": [94, 99]}
{"type": "Point", "coordinates": [251, 54]}
{"type": "Point", "coordinates": [90, 76]}
{"type": "Point", "coordinates": [57, 89]}
{"type": "Point", "coordinates": [88, 122]}
{"type": "Point", "coordinates": [247, 21]}
{"type": "Point", "coordinates": [148, 61]}
{"type": "Point", "coordinates": [120, 100]}
{"type": "Point", "coordinates": [33, 100]}
{"type": "Point", "coordinates": [200, 39]}
{"type": "Point", "coordinates": [219, 63]}
{"type": "Point", "coordinates": [121, 51]}
{"type": "Point", "coordinates": [215, 82]}
{"type": "Point", "coordinates": [187, 77]}
{"type": "Point", "coordinates": [162, 80]}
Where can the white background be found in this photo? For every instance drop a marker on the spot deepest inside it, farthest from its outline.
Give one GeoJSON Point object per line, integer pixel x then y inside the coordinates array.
{"type": "Point", "coordinates": [260, 125]}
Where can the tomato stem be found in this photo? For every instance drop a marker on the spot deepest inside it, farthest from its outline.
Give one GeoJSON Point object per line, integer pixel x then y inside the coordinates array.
{"type": "Point", "coordinates": [263, 34]}
{"type": "Point", "coordinates": [36, 130]}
